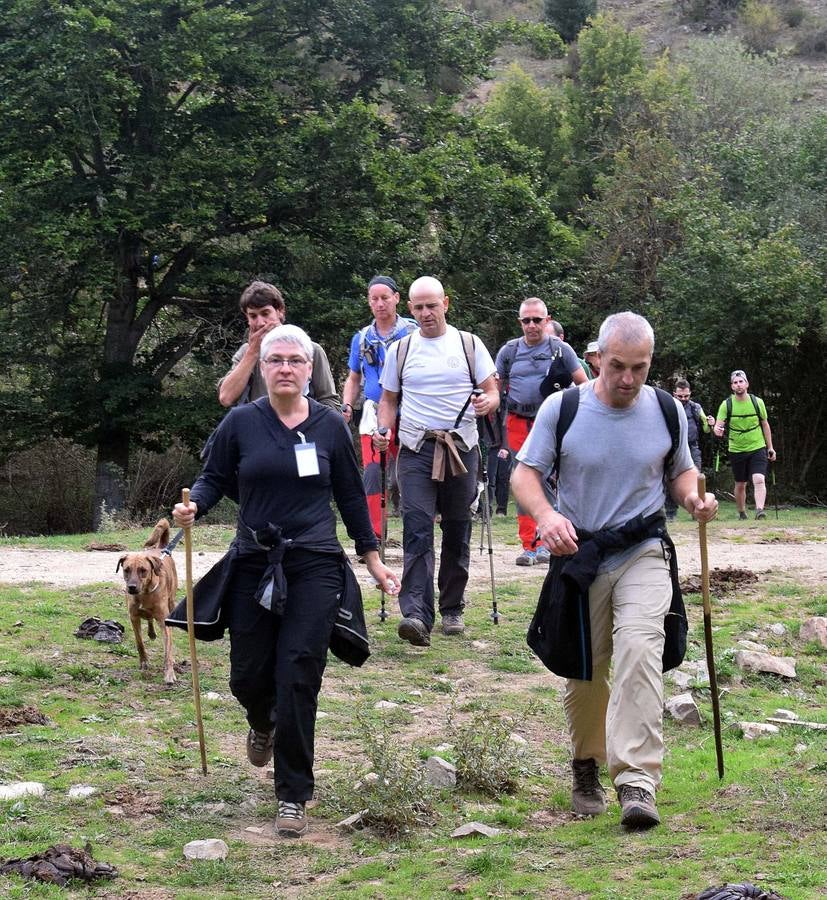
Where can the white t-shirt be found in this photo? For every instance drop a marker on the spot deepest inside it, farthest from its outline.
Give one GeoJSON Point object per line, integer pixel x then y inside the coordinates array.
{"type": "Point", "coordinates": [435, 385]}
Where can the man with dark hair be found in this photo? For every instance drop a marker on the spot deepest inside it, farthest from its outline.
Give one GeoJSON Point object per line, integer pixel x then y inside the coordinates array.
{"type": "Point", "coordinates": [263, 307]}
{"type": "Point", "coordinates": [750, 442]}
{"type": "Point", "coordinates": [697, 421]}
{"type": "Point", "coordinates": [612, 594]}
{"type": "Point", "coordinates": [368, 350]}
{"type": "Point", "coordinates": [523, 365]}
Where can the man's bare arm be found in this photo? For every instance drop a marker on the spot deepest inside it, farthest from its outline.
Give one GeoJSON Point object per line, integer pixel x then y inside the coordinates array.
{"type": "Point", "coordinates": [232, 385]}
{"type": "Point", "coordinates": [350, 392]}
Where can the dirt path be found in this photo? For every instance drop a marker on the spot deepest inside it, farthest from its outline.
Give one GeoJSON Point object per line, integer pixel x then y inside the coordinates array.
{"type": "Point", "coordinates": [797, 559]}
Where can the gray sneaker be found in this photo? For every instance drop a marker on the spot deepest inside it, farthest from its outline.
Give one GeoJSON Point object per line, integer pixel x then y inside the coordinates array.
{"type": "Point", "coordinates": [760, 514]}
{"type": "Point", "coordinates": [414, 632]}
{"type": "Point", "coordinates": [637, 807]}
{"type": "Point", "coordinates": [543, 556]}
{"type": "Point", "coordinates": [259, 747]}
{"type": "Point", "coordinates": [587, 795]}
{"type": "Point", "coordinates": [452, 624]}
{"type": "Point", "coordinates": [292, 819]}
{"type": "Point", "coordinates": [526, 558]}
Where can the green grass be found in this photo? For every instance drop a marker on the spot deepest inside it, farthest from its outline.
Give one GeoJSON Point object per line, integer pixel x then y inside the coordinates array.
{"type": "Point", "coordinates": [133, 739]}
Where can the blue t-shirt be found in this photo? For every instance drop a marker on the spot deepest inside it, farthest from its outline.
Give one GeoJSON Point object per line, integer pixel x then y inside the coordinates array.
{"type": "Point", "coordinates": [370, 363]}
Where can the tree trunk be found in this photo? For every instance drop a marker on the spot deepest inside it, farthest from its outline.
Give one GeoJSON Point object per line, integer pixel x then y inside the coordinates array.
{"type": "Point", "coordinates": [110, 473]}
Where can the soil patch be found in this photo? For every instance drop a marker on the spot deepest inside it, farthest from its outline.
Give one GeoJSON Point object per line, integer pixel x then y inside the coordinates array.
{"type": "Point", "coordinates": [12, 717]}
{"type": "Point", "coordinates": [720, 581]}
{"type": "Point", "coordinates": [132, 803]}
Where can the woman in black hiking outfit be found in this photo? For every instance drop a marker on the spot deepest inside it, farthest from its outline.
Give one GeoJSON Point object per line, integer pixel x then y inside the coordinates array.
{"type": "Point", "coordinates": [285, 457]}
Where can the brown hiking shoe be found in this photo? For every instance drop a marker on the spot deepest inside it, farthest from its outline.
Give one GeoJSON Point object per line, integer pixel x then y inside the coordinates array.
{"type": "Point", "coordinates": [587, 795]}
{"type": "Point", "coordinates": [259, 747]}
{"type": "Point", "coordinates": [414, 632]}
{"type": "Point", "coordinates": [292, 819]}
{"type": "Point", "coordinates": [637, 807]}
{"type": "Point", "coordinates": [452, 624]}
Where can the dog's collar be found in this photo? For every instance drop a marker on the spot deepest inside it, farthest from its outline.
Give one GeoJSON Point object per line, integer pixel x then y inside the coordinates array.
{"type": "Point", "coordinates": [152, 590]}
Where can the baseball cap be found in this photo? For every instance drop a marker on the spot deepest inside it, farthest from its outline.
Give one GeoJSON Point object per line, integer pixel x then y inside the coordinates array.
{"type": "Point", "coordinates": [593, 347]}
{"type": "Point", "coordinates": [739, 373]}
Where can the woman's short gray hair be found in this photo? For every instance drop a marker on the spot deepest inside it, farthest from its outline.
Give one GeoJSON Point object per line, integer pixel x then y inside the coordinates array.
{"type": "Point", "coordinates": [628, 327]}
{"type": "Point", "coordinates": [287, 334]}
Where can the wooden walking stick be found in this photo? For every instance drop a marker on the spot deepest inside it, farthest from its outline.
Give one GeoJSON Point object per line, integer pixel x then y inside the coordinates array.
{"type": "Point", "coordinates": [196, 686]}
{"type": "Point", "coordinates": [710, 653]}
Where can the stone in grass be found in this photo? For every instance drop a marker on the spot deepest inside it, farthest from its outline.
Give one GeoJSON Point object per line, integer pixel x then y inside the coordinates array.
{"type": "Point", "coordinates": [753, 645]}
{"type": "Point", "coordinates": [787, 714]}
{"type": "Point", "coordinates": [475, 829]}
{"type": "Point", "coordinates": [213, 695]}
{"type": "Point", "coordinates": [440, 773]}
{"type": "Point", "coordinates": [81, 791]}
{"type": "Point", "coordinates": [681, 680]}
{"type": "Point", "coordinates": [778, 629]}
{"type": "Point", "coordinates": [209, 848]}
{"type": "Point", "coordinates": [683, 709]}
{"type": "Point", "coordinates": [753, 730]}
{"type": "Point", "coordinates": [16, 789]}
{"type": "Point", "coordinates": [354, 822]}
{"type": "Point", "coordinates": [385, 704]}
{"type": "Point", "coordinates": [749, 661]}
{"type": "Point", "coordinates": [814, 629]}
{"type": "Point", "coordinates": [517, 739]}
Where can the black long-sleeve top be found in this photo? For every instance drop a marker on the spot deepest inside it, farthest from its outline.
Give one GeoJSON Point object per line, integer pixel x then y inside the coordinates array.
{"type": "Point", "coordinates": [253, 458]}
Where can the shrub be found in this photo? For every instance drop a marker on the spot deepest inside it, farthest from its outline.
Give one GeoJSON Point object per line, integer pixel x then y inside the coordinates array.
{"type": "Point", "coordinates": [713, 13]}
{"type": "Point", "coordinates": [487, 758]}
{"type": "Point", "coordinates": [761, 26]}
{"type": "Point", "coordinates": [394, 792]}
{"type": "Point", "coordinates": [791, 11]}
{"type": "Point", "coordinates": [569, 16]}
{"type": "Point", "coordinates": [813, 42]}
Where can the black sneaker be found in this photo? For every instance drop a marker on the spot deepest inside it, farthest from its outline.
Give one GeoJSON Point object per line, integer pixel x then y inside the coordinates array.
{"type": "Point", "coordinates": [637, 807]}
{"type": "Point", "coordinates": [414, 632]}
{"type": "Point", "coordinates": [742, 515]}
{"type": "Point", "coordinates": [587, 795]}
{"type": "Point", "coordinates": [259, 747]}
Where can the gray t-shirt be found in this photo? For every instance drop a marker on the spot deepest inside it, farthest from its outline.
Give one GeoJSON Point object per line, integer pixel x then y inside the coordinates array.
{"type": "Point", "coordinates": [612, 460]}
{"type": "Point", "coordinates": [527, 369]}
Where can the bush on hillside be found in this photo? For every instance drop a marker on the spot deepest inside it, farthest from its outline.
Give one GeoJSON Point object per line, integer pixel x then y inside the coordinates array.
{"type": "Point", "coordinates": [713, 13]}
{"type": "Point", "coordinates": [761, 26]}
{"type": "Point", "coordinates": [569, 16]}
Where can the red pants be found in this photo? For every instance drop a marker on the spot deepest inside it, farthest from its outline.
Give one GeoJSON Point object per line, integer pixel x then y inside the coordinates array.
{"type": "Point", "coordinates": [517, 429]}
{"type": "Point", "coordinates": [372, 479]}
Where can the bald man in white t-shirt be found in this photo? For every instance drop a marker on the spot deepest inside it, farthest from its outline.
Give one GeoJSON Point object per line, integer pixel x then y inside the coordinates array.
{"type": "Point", "coordinates": [438, 455]}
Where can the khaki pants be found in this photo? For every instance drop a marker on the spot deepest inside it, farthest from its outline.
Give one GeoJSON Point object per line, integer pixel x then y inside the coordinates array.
{"type": "Point", "coordinates": [623, 726]}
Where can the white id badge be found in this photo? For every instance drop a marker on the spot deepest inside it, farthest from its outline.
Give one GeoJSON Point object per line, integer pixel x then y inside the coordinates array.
{"type": "Point", "coordinates": [306, 460]}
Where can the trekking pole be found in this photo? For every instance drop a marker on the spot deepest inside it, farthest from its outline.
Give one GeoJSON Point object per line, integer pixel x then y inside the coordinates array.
{"type": "Point", "coordinates": [383, 527]}
{"type": "Point", "coordinates": [710, 654]}
{"type": "Point", "coordinates": [774, 489]}
{"type": "Point", "coordinates": [486, 524]}
{"type": "Point", "coordinates": [196, 687]}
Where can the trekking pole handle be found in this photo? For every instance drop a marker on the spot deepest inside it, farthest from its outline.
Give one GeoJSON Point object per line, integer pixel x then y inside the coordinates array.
{"type": "Point", "coordinates": [383, 430]}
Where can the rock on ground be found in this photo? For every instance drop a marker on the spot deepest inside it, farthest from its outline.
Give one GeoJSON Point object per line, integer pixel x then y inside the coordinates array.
{"type": "Point", "coordinates": [209, 848]}
{"type": "Point", "coordinates": [814, 629]}
{"type": "Point", "coordinates": [17, 789]}
{"type": "Point", "coordinates": [475, 829]}
{"type": "Point", "coordinates": [683, 709]}
{"type": "Point", "coordinates": [440, 773]}
{"type": "Point", "coordinates": [753, 730]}
{"type": "Point", "coordinates": [750, 661]}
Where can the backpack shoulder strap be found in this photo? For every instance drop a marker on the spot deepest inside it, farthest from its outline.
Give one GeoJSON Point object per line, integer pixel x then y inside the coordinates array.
{"type": "Point", "coordinates": [402, 355]}
{"type": "Point", "coordinates": [670, 413]}
{"type": "Point", "coordinates": [755, 406]}
{"type": "Point", "coordinates": [509, 356]}
{"type": "Point", "coordinates": [728, 408]}
{"type": "Point", "coordinates": [363, 334]}
{"type": "Point", "coordinates": [470, 355]}
{"type": "Point", "coordinates": [569, 403]}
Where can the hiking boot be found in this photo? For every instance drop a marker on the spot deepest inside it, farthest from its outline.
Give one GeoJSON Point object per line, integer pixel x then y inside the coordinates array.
{"type": "Point", "coordinates": [526, 558]}
{"type": "Point", "coordinates": [501, 514]}
{"type": "Point", "coordinates": [587, 795]}
{"type": "Point", "coordinates": [543, 556]}
{"type": "Point", "coordinates": [637, 807]}
{"type": "Point", "coordinates": [452, 624]}
{"type": "Point", "coordinates": [414, 632]}
{"type": "Point", "coordinates": [292, 819]}
{"type": "Point", "coordinates": [760, 514]}
{"type": "Point", "coordinates": [742, 515]}
{"type": "Point", "coordinates": [259, 747]}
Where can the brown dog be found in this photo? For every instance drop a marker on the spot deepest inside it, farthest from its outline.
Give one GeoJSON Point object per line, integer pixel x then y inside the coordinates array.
{"type": "Point", "coordinates": [151, 585]}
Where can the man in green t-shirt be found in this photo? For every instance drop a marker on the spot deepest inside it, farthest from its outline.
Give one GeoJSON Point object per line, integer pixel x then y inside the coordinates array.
{"type": "Point", "coordinates": [750, 442]}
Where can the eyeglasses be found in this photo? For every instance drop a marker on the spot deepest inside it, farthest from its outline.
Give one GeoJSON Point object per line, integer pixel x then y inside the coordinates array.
{"type": "Point", "coordinates": [738, 373]}
{"type": "Point", "coordinates": [532, 320]}
{"type": "Point", "coordinates": [278, 361]}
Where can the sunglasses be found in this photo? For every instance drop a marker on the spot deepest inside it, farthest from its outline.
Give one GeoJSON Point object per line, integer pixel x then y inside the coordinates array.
{"type": "Point", "coordinates": [532, 320]}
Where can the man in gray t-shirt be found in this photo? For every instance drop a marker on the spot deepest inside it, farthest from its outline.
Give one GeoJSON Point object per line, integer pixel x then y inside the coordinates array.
{"type": "Point", "coordinates": [611, 471]}
{"type": "Point", "coordinates": [523, 365]}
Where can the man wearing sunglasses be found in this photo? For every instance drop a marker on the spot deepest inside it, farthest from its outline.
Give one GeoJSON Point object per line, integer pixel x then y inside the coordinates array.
{"type": "Point", "coordinates": [524, 366]}
{"type": "Point", "coordinates": [750, 442]}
